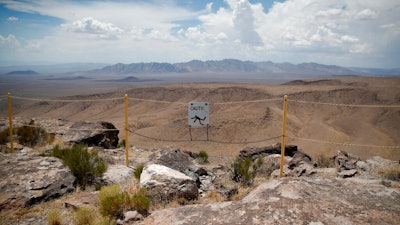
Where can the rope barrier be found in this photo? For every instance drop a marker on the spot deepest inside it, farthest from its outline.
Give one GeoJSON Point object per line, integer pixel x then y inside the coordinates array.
{"type": "Point", "coordinates": [214, 141]}
{"type": "Point", "coordinates": [68, 100]}
{"type": "Point", "coordinates": [343, 144]}
{"type": "Point", "coordinates": [157, 101]}
{"type": "Point", "coordinates": [216, 103]}
{"type": "Point", "coordinates": [346, 105]}
{"type": "Point", "coordinates": [249, 101]}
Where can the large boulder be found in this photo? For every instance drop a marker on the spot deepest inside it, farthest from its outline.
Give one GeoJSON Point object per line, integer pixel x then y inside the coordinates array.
{"type": "Point", "coordinates": [255, 152]}
{"type": "Point", "coordinates": [345, 161]}
{"type": "Point", "coordinates": [178, 160]}
{"type": "Point", "coordinates": [103, 134]}
{"type": "Point", "coordinates": [26, 180]}
{"type": "Point", "coordinates": [296, 201]}
{"type": "Point", "coordinates": [164, 184]}
{"type": "Point", "coordinates": [117, 174]}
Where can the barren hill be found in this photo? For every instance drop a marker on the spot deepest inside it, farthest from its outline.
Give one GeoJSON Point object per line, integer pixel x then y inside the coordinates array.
{"type": "Point", "coordinates": [238, 119]}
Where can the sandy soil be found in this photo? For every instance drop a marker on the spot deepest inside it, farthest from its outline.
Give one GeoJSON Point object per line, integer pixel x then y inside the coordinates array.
{"type": "Point", "coordinates": [233, 123]}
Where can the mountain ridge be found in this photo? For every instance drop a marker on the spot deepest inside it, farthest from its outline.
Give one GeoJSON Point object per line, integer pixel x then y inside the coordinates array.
{"type": "Point", "coordinates": [223, 66]}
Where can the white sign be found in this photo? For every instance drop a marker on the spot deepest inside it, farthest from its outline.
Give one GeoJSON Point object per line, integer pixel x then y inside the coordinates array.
{"type": "Point", "coordinates": [198, 114]}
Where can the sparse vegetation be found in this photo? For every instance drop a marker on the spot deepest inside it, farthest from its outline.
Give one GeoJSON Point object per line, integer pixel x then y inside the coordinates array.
{"type": "Point", "coordinates": [241, 171]}
{"type": "Point", "coordinates": [141, 203]}
{"type": "Point", "coordinates": [391, 173]}
{"type": "Point", "coordinates": [54, 217]}
{"type": "Point", "coordinates": [324, 161]}
{"type": "Point", "coordinates": [90, 216]}
{"type": "Point", "coordinates": [32, 134]}
{"type": "Point", "coordinates": [202, 157]}
{"type": "Point", "coordinates": [114, 201]}
{"type": "Point", "coordinates": [84, 164]}
{"type": "Point", "coordinates": [138, 171]}
{"type": "Point", "coordinates": [121, 144]}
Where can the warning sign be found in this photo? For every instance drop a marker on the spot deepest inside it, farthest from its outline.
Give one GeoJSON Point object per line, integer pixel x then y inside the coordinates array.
{"type": "Point", "coordinates": [198, 114]}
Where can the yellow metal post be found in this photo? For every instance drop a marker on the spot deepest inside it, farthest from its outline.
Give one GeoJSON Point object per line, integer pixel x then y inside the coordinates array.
{"type": "Point", "coordinates": [11, 126]}
{"type": "Point", "coordinates": [126, 132]}
{"type": "Point", "coordinates": [285, 100]}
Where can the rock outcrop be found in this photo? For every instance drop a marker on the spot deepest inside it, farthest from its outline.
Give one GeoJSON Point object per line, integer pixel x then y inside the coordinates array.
{"type": "Point", "coordinates": [178, 160]}
{"type": "Point", "coordinates": [164, 184]}
{"type": "Point", "coordinates": [296, 201]}
{"type": "Point", "coordinates": [255, 152]}
{"type": "Point", "coordinates": [103, 134]}
{"type": "Point", "coordinates": [26, 180]}
{"type": "Point", "coordinates": [117, 174]}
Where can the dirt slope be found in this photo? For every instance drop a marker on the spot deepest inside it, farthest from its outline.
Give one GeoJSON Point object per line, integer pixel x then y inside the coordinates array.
{"type": "Point", "coordinates": [246, 121]}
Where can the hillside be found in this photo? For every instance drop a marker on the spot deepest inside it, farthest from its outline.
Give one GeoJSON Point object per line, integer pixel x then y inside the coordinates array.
{"type": "Point", "coordinates": [236, 125]}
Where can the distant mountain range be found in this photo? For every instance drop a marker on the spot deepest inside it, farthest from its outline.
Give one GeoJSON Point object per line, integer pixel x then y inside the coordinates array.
{"type": "Point", "coordinates": [24, 72]}
{"type": "Point", "coordinates": [224, 66]}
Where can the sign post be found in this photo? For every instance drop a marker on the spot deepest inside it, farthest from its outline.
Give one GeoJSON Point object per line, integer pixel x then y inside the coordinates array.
{"type": "Point", "coordinates": [198, 114]}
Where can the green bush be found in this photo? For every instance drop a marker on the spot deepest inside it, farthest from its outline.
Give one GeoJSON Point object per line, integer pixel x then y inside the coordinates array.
{"type": "Point", "coordinates": [32, 134]}
{"type": "Point", "coordinates": [54, 217]}
{"type": "Point", "coordinates": [241, 171]}
{"type": "Point", "coordinates": [85, 165]}
{"type": "Point", "coordinates": [141, 203]}
{"type": "Point", "coordinates": [203, 156]}
{"type": "Point", "coordinates": [138, 171]}
{"type": "Point", "coordinates": [113, 201]}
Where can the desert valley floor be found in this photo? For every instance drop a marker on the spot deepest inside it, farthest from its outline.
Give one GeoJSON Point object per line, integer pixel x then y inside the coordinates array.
{"type": "Point", "coordinates": [241, 114]}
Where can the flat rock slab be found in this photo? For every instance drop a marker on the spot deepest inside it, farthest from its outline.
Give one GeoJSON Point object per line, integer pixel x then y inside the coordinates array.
{"type": "Point", "coordinates": [26, 180]}
{"type": "Point", "coordinates": [296, 201]}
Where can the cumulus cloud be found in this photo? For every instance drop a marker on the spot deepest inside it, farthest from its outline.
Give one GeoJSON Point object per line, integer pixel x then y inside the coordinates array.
{"type": "Point", "coordinates": [9, 42]}
{"type": "Point", "coordinates": [366, 14]}
{"type": "Point", "coordinates": [98, 28]}
{"type": "Point", "coordinates": [351, 32]}
{"type": "Point", "coordinates": [12, 18]}
{"type": "Point", "coordinates": [243, 23]}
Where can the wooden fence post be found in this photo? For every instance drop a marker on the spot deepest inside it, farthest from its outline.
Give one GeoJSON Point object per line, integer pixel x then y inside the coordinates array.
{"type": "Point", "coordinates": [285, 100]}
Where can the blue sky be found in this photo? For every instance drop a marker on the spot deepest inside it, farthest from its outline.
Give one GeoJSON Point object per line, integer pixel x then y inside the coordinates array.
{"type": "Point", "coordinates": [341, 32]}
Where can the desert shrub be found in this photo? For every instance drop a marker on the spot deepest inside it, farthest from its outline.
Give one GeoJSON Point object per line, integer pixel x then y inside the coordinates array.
{"type": "Point", "coordinates": [241, 171]}
{"type": "Point", "coordinates": [258, 164]}
{"type": "Point", "coordinates": [30, 135]}
{"type": "Point", "coordinates": [89, 216]}
{"type": "Point", "coordinates": [141, 203]}
{"type": "Point", "coordinates": [202, 156]}
{"type": "Point", "coordinates": [324, 161]}
{"type": "Point", "coordinates": [54, 217]}
{"type": "Point", "coordinates": [4, 134]}
{"type": "Point", "coordinates": [138, 171]}
{"type": "Point", "coordinates": [113, 201]}
{"type": "Point", "coordinates": [121, 143]}
{"type": "Point", "coordinates": [84, 216]}
{"type": "Point", "coordinates": [85, 165]}
{"type": "Point", "coordinates": [390, 173]}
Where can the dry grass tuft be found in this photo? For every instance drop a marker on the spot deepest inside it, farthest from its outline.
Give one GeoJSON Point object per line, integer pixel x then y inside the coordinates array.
{"type": "Point", "coordinates": [54, 217]}
{"type": "Point", "coordinates": [390, 173]}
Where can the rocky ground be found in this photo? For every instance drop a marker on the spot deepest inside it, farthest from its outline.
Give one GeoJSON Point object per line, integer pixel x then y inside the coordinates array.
{"type": "Point", "coordinates": [351, 192]}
